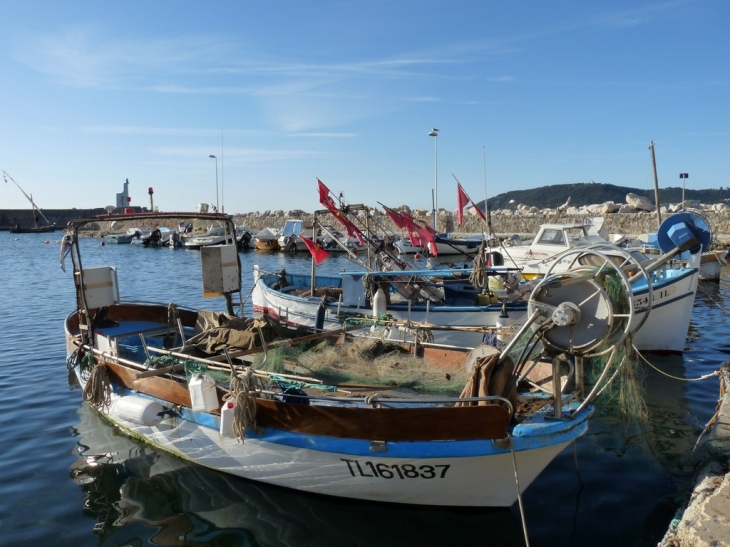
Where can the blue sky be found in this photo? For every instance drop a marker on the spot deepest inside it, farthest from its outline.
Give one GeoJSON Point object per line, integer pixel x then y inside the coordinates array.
{"type": "Point", "coordinates": [283, 93]}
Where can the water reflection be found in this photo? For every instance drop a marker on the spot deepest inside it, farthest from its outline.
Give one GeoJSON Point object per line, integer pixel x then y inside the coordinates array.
{"type": "Point", "coordinates": [134, 493]}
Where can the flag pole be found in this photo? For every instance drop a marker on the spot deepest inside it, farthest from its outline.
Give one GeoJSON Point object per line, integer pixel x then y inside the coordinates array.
{"type": "Point", "coordinates": [486, 195]}
{"type": "Point", "coordinates": [314, 238]}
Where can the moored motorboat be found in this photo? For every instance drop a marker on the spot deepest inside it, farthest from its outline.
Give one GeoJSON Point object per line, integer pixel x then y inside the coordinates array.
{"type": "Point", "coordinates": [267, 240]}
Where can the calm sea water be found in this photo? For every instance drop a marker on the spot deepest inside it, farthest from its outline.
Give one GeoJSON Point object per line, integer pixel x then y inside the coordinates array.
{"type": "Point", "coordinates": [68, 478]}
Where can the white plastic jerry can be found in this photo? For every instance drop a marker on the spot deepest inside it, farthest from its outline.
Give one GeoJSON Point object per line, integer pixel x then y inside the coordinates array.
{"type": "Point", "coordinates": [227, 411]}
{"type": "Point", "coordinates": [203, 394]}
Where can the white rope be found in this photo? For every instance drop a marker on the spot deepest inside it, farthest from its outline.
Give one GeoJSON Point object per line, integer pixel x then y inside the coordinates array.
{"type": "Point", "coordinates": [519, 494]}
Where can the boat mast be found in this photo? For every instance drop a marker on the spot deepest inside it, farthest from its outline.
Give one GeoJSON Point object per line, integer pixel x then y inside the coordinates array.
{"type": "Point", "coordinates": [656, 184]}
{"type": "Point", "coordinates": [29, 198]}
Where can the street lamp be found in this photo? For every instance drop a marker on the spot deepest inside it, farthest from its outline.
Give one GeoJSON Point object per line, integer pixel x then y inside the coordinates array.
{"type": "Point", "coordinates": [434, 133]}
{"type": "Point", "coordinates": [683, 176]}
{"type": "Point", "coordinates": [216, 182]}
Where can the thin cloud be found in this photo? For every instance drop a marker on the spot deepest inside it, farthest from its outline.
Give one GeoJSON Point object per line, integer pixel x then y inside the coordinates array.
{"type": "Point", "coordinates": [232, 154]}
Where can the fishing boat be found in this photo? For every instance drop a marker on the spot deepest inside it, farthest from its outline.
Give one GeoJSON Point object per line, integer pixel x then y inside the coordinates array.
{"type": "Point", "coordinates": [37, 215]}
{"type": "Point", "coordinates": [442, 305]}
{"type": "Point", "coordinates": [458, 313]}
{"type": "Point", "coordinates": [445, 245]}
{"type": "Point", "coordinates": [149, 369]}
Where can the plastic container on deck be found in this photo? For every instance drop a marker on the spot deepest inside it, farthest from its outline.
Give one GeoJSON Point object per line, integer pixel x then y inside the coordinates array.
{"type": "Point", "coordinates": [227, 411]}
{"type": "Point", "coordinates": [203, 394]}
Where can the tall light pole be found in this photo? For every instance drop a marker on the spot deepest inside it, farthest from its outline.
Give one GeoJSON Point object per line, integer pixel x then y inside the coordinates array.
{"type": "Point", "coordinates": [435, 133]}
{"type": "Point", "coordinates": [217, 209]}
{"type": "Point", "coordinates": [683, 176]}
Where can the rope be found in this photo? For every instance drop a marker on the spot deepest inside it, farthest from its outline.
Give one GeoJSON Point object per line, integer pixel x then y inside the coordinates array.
{"type": "Point", "coordinates": [708, 295]}
{"type": "Point", "coordinates": [478, 277]}
{"type": "Point", "coordinates": [724, 374]}
{"type": "Point", "coordinates": [519, 494]}
{"type": "Point", "coordinates": [97, 391]}
{"type": "Point", "coordinates": [705, 377]}
{"type": "Point", "coordinates": [244, 393]}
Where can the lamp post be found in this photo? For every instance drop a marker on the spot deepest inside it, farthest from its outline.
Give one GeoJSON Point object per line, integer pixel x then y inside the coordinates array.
{"type": "Point", "coordinates": [683, 176]}
{"type": "Point", "coordinates": [217, 209]}
{"type": "Point", "coordinates": [435, 133]}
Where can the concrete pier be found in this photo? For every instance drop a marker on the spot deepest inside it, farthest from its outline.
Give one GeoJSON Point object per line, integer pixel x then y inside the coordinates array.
{"type": "Point", "coordinates": [705, 521]}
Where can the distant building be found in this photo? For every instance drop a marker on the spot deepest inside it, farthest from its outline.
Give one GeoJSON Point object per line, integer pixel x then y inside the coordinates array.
{"type": "Point", "coordinates": [123, 199]}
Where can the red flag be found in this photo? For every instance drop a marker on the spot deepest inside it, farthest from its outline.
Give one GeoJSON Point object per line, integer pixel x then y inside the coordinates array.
{"type": "Point", "coordinates": [329, 203]}
{"type": "Point", "coordinates": [324, 196]}
{"type": "Point", "coordinates": [423, 238]}
{"type": "Point", "coordinates": [479, 211]}
{"type": "Point", "coordinates": [396, 217]}
{"type": "Point", "coordinates": [318, 253]}
{"type": "Point", "coordinates": [428, 228]}
{"type": "Point", "coordinates": [461, 199]}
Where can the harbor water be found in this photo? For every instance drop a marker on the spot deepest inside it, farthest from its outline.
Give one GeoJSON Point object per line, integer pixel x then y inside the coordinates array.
{"type": "Point", "coordinates": [67, 478]}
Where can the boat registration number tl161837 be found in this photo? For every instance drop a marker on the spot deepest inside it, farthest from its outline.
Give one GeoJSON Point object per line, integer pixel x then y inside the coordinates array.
{"type": "Point", "coordinates": [367, 468]}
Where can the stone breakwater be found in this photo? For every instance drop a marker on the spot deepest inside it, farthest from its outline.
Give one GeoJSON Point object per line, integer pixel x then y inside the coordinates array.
{"type": "Point", "coordinates": [503, 223]}
{"type": "Point", "coordinates": [522, 220]}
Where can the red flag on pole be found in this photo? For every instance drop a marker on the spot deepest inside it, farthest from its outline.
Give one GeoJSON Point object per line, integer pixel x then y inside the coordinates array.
{"type": "Point", "coordinates": [329, 203]}
{"type": "Point", "coordinates": [318, 253]}
{"type": "Point", "coordinates": [396, 217]}
{"type": "Point", "coordinates": [324, 196]}
{"type": "Point", "coordinates": [461, 199]}
{"type": "Point", "coordinates": [479, 211]}
{"type": "Point", "coordinates": [420, 236]}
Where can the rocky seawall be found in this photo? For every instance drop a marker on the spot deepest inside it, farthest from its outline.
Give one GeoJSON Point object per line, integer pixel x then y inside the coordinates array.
{"type": "Point", "coordinates": [521, 220]}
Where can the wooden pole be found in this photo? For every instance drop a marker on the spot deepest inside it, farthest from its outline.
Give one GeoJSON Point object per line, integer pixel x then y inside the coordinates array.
{"type": "Point", "coordinates": [656, 185]}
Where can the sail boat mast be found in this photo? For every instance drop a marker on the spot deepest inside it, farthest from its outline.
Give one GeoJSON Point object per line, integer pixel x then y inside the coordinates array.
{"type": "Point", "coordinates": [29, 198]}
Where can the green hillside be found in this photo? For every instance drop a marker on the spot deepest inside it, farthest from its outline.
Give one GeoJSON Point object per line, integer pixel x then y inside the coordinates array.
{"type": "Point", "coordinates": [589, 193]}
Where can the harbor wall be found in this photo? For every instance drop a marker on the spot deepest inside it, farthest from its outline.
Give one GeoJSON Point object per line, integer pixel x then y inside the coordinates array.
{"type": "Point", "coordinates": [59, 217]}
{"type": "Point", "coordinates": [503, 224]}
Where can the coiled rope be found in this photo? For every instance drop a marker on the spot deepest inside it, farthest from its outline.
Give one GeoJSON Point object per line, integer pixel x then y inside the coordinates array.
{"type": "Point", "coordinates": [478, 276]}
{"type": "Point", "coordinates": [243, 393]}
{"type": "Point", "coordinates": [97, 391]}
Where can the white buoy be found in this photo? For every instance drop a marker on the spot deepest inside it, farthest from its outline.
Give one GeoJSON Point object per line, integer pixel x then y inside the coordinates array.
{"type": "Point", "coordinates": [139, 411]}
{"type": "Point", "coordinates": [380, 304]}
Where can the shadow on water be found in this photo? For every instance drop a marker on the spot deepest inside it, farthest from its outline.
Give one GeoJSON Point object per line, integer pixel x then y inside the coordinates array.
{"type": "Point", "coordinates": [136, 495]}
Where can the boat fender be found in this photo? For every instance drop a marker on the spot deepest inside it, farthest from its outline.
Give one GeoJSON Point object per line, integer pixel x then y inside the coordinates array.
{"type": "Point", "coordinates": [319, 319]}
{"type": "Point", "coordinates": [503, 321]}
{"type": "Point", "coordinates": [379, 302]}
{"type": "Point", "coordinates": [203, 394]}
{"type": "Point", "coordinates": [139, 411]}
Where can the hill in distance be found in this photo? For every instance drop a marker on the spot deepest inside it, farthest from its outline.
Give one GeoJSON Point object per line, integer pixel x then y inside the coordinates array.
{"type": "Point", "coordinates": [589, 193]}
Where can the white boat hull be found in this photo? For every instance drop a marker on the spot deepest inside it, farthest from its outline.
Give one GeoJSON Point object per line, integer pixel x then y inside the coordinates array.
{"type": "Point", "coordinates": [477, 473]}
{"type": "Point", "coordinates": [298, 311]}
{"type": "Point", "coordinates": [665, 328]}
{"type": "Point", "coordinates": [455, 247]}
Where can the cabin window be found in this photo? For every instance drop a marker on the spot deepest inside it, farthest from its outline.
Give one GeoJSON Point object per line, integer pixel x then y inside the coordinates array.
{"type": "Point", "coordinates": [552, 237]}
